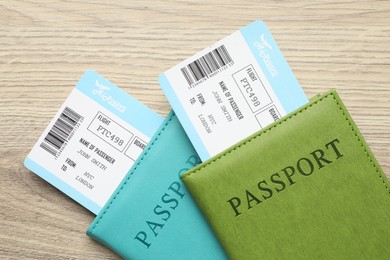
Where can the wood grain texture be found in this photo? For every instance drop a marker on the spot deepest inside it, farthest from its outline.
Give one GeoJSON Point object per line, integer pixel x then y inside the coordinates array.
{"type": "Point", "coordinates": [45, 46]}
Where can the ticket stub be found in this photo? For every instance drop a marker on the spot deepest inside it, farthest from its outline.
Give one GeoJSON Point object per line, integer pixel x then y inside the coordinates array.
{"type": "Point", "coordinates": [93, 141]}
{"type": "Point", "coordinates": [232, 89]}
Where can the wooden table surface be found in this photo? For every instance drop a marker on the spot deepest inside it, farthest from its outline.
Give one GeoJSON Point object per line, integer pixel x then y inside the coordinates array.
{"type": "Point", "coordinates": [45, 46]}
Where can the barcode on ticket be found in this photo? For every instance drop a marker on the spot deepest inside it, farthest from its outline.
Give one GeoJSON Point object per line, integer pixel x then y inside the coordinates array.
{"type": "Point", "coordinates": [60, 131]}
{"type": "Point", "coordinates": [206, 65]}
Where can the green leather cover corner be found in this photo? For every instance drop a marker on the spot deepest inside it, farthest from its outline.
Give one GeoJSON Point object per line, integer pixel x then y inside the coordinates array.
{"type": "Point", "coordinates": [151, 215]}
{"type": "Point", "coordinates": [306, 187]}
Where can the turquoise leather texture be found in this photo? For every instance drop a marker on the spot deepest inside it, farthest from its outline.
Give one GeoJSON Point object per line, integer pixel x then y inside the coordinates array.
{"type": "Point", "coordinates": [151, 215]}
{"type": "Point", "coordinates": [306, 187]}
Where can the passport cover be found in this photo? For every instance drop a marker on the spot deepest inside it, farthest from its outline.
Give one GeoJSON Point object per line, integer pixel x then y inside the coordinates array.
{"type": "Point", "coordinates": [151, 215]}
{"type": "Point", "coordinates": [305, 187]}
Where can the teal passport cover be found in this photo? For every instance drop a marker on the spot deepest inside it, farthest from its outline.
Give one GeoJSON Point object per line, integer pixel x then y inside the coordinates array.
{"type": "Point", "coordinates": [306, 187]}
{"type": "Point", "coordinates": [151, 215]}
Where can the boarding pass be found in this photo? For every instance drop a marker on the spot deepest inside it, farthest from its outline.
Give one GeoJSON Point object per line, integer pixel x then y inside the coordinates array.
{"type": "Point", "coordinates": [93, 141]}
{"type": "Point", "coordinates": [232, 89]}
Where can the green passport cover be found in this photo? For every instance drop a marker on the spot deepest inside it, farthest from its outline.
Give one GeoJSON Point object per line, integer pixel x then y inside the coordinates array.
{"type": "Point", "coordinates": [151, 215]}
{"type": "Point", "coordinates": [305, 187]}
